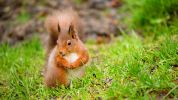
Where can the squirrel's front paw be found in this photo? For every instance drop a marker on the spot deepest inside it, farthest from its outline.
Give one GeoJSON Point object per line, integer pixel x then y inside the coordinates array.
{"type": "Point", "coordinates": [62, 62]}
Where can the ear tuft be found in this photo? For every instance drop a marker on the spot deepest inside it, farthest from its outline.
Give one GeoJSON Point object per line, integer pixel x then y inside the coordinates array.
{"type": "Point", "coordinates": [72, 31]}
{"type": "Point", "coordinates": [58, 27]}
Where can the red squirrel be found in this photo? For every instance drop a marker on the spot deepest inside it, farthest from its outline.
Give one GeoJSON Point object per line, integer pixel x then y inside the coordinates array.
{"type": "Point", "coordinates": [66, 54]}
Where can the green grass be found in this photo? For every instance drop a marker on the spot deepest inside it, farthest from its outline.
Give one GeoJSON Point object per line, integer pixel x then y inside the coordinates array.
{"type": "Point", "coordinates": [129, 67]}
{"type": "Point", "coordinates": [151, 17]}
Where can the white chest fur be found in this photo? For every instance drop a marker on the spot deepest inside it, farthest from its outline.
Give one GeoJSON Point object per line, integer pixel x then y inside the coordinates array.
{"type": "Point", "coordinates": [71, 57]}
{"type": "Point", "coordinates": [74, 73]}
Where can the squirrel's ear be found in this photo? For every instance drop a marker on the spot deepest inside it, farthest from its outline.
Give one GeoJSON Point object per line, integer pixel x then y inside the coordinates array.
{"type": "Point", "coordinates": [72, 32]}
{"type": "Point", "coordinates": [58, 27]}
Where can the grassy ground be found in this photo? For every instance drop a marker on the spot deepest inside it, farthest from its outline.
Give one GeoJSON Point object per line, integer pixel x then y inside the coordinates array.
{"type": "Point", "coordinates": [129, 67]}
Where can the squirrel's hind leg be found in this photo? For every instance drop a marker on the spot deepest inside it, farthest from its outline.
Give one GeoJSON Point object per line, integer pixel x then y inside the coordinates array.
{"type": "Point", "coordinates": [57, 76]}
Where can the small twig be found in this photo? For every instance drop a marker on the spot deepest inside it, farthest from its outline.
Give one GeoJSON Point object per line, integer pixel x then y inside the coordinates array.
{"type": "Point", "coordinates": [170, 92]}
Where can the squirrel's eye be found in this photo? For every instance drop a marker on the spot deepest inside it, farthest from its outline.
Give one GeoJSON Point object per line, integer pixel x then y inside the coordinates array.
{"type": "Point", "coordinates": [68, 42]}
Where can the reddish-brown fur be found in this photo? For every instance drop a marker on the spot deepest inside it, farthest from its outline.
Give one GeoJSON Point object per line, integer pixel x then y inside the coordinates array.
{"type": "Point", "coordinates": [63, 27]}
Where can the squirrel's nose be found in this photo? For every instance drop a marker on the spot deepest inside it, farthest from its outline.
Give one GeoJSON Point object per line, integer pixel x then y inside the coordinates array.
{"type": "Point", "coordinates": [61, 53]}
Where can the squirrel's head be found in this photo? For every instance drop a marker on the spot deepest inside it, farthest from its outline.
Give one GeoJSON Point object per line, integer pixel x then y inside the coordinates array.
{"type": "Point", "coordinates": [67, 41]}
